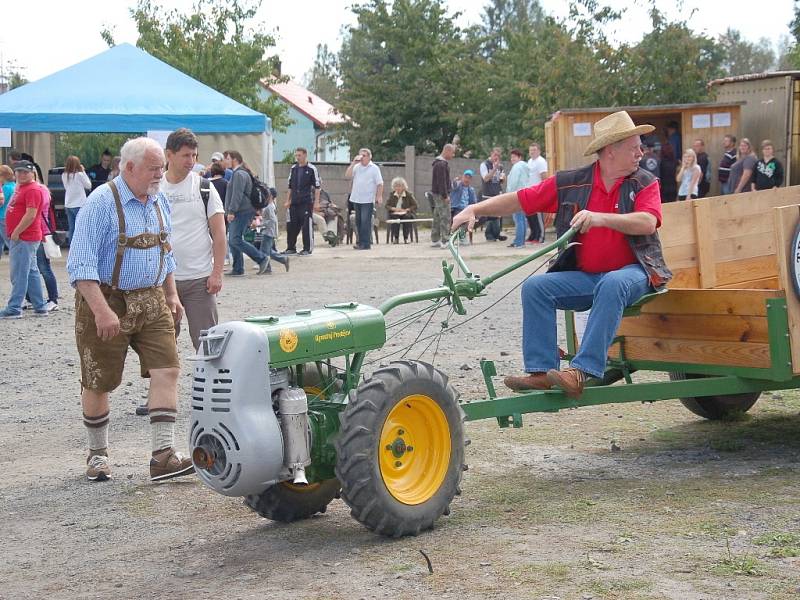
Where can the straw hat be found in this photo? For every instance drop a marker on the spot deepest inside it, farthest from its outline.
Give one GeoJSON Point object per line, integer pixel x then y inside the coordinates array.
{"type": "Point", "coordinates": [613, 128]}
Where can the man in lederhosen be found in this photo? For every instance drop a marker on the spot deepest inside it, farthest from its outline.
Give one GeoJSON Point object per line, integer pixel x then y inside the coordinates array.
{"type": "Point", "coordinates": [121, 264]}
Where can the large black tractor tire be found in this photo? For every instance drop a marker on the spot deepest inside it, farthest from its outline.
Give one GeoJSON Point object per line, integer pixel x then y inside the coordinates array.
{"type": "Point", "coordinates": [286, 502]}
{"type": "Point", "coordinates": [400, 452]}
{"type": "Point", "coordinates": [718, 407]}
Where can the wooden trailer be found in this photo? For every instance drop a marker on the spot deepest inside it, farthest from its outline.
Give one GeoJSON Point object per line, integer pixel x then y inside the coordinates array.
{"type": "Point", "coordinates": [569, 131]}
{"type": "Point", "coordinates": [730, 256]}
{"type": "Point", "coordinates": [727, 328]}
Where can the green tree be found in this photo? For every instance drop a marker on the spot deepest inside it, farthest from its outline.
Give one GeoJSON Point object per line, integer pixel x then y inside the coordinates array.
{"type": "Point", "coordinates": [504, 18]}
{"type": "Point", "coordinates": [88, 146]}
{"type": "Point", "coordinates": [322, 77]}
{"type": "Point", "coordinates": [792, 56]}
{"type": "Point", "coordinates": [740, 57]}
{"type": "Point", "coordinates": [671, 64]}
{"type": "Point", "coordinates": [16, 79]}
{"type": "Point", "coordinates": [218, 44]}
{"type": "Point", "coordinates": [402, 69]}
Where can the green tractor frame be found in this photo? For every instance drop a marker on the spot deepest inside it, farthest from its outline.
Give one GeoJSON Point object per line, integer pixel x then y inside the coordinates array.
{"type": "Point", "coordinates": [276, 422]}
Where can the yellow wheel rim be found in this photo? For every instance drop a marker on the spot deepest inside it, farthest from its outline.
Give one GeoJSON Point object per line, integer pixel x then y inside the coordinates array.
{"type": "Point", "coordinates": [314, 391]}
{"type": "Point", "coordinates": [414, 449]}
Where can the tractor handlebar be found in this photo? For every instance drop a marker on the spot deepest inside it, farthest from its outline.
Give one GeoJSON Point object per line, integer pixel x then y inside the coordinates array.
{"type": "Point", "coordinates": [471, 285]}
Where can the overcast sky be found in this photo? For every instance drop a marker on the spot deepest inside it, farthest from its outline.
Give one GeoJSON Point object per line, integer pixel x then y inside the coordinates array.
{"type": "Point", "coordinates": [61, 33]}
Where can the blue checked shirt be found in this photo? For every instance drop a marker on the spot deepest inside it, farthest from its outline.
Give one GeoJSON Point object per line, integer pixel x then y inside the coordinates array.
{"type": "Point", "coordinates": [93, 247]}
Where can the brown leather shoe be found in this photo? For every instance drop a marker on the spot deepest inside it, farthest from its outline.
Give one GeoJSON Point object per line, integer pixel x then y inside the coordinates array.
{"type": "Point", "coordinates": [569, 380]}
{"type": "Point", "coordinates": [530, 381]}
{"type": "Point", "coordinates": [167, 463]}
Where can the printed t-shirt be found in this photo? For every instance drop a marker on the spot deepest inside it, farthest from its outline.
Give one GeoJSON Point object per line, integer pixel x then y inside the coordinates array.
{"type": "Point", "coordinates": [190, 239]}
{"type": "Point", "coordinates": [29, 195]}
{"type": "Point", "coordinates": [602, 249]}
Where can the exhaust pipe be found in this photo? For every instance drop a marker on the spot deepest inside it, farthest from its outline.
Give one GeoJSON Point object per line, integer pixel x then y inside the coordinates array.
{"type": "Point", "coordinates": [293, 408]}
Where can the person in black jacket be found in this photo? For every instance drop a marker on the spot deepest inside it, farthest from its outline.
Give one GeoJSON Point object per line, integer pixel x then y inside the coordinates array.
{"type": "Point", "coordinates": [302, 199]}
{"type": "Point", "coordinates": [669, 165]}
{"type": "Point", "coordinates": [769, 171]}
{"type": "Point", "coordinates": [440, 188]}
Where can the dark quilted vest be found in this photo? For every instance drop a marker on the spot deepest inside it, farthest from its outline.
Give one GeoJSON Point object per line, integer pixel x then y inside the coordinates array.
{"type": "Point", "coordinates": [574, 189]}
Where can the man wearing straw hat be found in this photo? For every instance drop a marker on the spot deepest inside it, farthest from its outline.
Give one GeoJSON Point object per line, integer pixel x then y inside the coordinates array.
{"type": "Point", "coordinates": [616, 208]}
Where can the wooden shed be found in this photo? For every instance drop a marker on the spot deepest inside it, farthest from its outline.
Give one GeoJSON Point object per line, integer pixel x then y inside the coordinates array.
{"type": "Point", "coordinates": [569, 131]}
{"type": "Point", "coordinates": [771, 111]}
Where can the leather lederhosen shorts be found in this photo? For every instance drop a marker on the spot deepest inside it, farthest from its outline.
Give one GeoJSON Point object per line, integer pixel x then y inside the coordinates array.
{"type": "Point", "coordinates": [146, 325]}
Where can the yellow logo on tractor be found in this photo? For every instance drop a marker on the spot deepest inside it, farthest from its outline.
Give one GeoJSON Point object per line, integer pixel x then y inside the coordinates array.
{"type": "Point", "coordinates": [331, 324]}
{"type": "Point", "coordinates": [288, 340]}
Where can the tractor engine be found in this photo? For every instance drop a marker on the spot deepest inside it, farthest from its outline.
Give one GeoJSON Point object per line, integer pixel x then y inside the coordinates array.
{"type": "Point", "coordinates": [251, 426]}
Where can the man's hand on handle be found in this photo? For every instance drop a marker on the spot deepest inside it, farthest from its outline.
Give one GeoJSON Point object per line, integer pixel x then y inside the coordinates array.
{"type": "Point", "coordinates": [466, 216]}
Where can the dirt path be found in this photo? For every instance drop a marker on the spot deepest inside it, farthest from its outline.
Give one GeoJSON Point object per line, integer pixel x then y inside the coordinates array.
{"type": "Point", "coordinates": [685, 509]}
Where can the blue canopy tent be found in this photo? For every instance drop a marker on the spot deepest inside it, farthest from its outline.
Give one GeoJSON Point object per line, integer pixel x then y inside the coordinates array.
{"type": "Point", "coordinates": [125, 89]}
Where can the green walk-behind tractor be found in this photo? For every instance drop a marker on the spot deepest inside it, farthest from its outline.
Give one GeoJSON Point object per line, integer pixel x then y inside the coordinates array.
{"type": "Point", "coordinates": [275, 421]}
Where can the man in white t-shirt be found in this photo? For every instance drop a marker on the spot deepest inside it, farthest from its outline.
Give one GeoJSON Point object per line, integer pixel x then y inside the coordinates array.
{"type": "Point", "coordinates": [198, 233]}
{"type": "Point", "coordinates": [367, 191]}
{"type": "Point", "coordinates": [537, 171]}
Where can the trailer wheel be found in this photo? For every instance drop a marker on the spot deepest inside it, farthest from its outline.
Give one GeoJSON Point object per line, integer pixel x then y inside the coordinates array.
{"type": "Point", "coordinates": [287, 502]}
{"type": "Point", "coordinates": [400, 453]}
{"type": "Point", "coordinates": [715, 407]}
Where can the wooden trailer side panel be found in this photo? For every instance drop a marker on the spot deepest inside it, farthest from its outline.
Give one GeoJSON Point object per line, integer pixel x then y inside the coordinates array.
{"type": "Point", "coordinates": [701, 326]}
{"type": "Point", "coordinates": [727, 241]}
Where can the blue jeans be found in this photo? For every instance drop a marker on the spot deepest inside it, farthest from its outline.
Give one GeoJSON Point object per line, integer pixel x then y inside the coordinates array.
{"type": "Point", "coordinates": [268, 248]}
{"type": "Point", "coordinates": [725, 188]}
{"type": "Point", "coordinates": [239, 246]}
{"type": "Point", "coordinates": [72, 215]}
{"type": "Point", "coordinates": [43, 264]}
{"type": "Point", "coordinates": [24, 276]}
{"type": "Point", "coordinates": [606, 293]}
{"type": "Point", "coordinates": [3, 241]}
{"type": "Point", "coordinates": [364, 224]}
{"type": "Point", "coordinates": [521, 227]}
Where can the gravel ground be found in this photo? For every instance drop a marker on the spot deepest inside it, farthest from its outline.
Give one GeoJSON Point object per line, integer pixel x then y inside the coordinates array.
{"type": "Point", "coordinates": [617, 501]}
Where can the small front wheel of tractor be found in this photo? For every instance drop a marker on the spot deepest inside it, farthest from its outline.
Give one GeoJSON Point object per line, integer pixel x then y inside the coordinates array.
{"type": "Point", "coordinates": [717, 407]}
{"type": "Point", "coordinates": [400, 452]}
{"type": "Point", "coordinates": [287, 502]}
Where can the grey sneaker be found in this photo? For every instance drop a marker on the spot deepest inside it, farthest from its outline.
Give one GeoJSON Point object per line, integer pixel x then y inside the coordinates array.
{"type": "Point", "coordinates": [7, 314]}
{"type": "Point", "coordinates": [263, 266]}
{"type": "Point", "coordinates": [97, 467]}
{"type": "Point", "coordinates": [286, 264]}
{"type": "Point", "coordinates": [167, 463]}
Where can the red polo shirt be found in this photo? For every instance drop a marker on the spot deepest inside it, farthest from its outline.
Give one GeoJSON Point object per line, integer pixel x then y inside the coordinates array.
{"type": "Point", "coordinates": [602, 249]}
{"type": "Point", "coordinates": [29, 195]}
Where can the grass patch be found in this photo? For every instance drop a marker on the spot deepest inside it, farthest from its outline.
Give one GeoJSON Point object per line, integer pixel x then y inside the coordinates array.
{"type": "Point", "coordinates": [743, 565]}
{"type": "Point", "coordinates": [781, 545]}
{"type": "Point", "coordinates": [728, 444]}
{"type": "Point", "coordinates": [620, 588]}
{"type": "Point", "coordinates": [716, 529]}
{"type": "Point", "coordinates": [554, 572]}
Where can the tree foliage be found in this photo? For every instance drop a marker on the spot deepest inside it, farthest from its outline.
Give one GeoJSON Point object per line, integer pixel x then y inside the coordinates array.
{"type": "Point", "coordinates": [402, 68]}
{"type": "Point", "coordinates": [322, 77]}
{"type": "Point", "coordinates": [408, 75]}
{"type": "Point", "coordinates": [740, 57]}
{"type": "Point", "coordinates": [216, 43]}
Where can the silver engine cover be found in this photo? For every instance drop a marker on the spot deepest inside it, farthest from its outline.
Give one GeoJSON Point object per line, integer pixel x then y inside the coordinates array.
{"type": "Point", "coordinates": [232, 415]}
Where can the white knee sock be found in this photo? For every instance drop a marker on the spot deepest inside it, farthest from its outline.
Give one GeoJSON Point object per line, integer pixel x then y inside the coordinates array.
{"type": "Point", "coordinates": [97, 431]}
{"type": "Point", "coordinates": [162, 428]}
